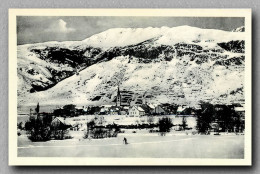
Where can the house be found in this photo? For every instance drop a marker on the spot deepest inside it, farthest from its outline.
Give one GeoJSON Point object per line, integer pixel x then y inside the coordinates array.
{"type": "Point", "coordinates": [240, 111]}
{"type": "Point", "coordinates": [158, 110]}
{"type": "Point", "coordinates": [85, 109]}
{"type": "Point", "coordinates": [124, 110]}
{"type": "Point", "coordinates": [61, 123]}
{"type": "Point", "coordinates": [147, 109]}
{"type": "Point", "coordinates": [79, 110]}
{"type": "Point", "coordinates": [115, 110]}
{"type": "Point", "coordinates": [169, 108]}
{"type": "Point", "coordinates": [105, 109]}
{"type": "Point", "coordinates": [183, 110]}
{"type": "Point", "coordinates": [197, 107]}
{"type": "Point", "coordinates": [136, 111]}
{"type": "Point", "coordinates": [152, 106]}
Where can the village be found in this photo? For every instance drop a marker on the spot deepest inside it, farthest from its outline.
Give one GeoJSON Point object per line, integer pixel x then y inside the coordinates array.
{"type": "Point", "coordinates": [107, 121]}
{"type": "Point", "coordinates": [95, 131]}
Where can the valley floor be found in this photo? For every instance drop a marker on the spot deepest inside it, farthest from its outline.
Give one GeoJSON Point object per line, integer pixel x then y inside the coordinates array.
{"type": "Point", "coordinates": [141, 145]}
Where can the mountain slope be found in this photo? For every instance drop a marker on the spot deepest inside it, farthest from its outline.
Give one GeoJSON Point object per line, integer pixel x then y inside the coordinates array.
{"type": "Point", "coordinates": [182, 65]}
{"type": "Point", "coordinates": [239, 29]}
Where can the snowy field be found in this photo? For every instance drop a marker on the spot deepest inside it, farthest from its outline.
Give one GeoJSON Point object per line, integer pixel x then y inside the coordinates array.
{"type": "Point", "coordinates": [176, 144]}
{"type": "Point", "coordinates": [121, 119]}
{"type": "Point", "coordinates": [141, 144]}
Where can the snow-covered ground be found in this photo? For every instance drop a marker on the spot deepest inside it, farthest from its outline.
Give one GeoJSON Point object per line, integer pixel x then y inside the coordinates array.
{"type": "Point", "coordinates": [141, 145]}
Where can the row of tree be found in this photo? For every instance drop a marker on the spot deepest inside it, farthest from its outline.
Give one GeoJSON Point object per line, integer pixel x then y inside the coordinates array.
{"type": "Point", "coordinates": [221, 118]}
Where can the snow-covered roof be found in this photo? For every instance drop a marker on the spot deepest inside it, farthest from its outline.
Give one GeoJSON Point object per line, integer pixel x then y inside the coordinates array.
{"type": "Point", "coordinates": [197, 107]}
{"type": "Point", "coordinates": [78, 107]}
{"type": "Point", "coordinates": [64, 121]}
{"type": "Point", "coordinates": [102, 110]}
{"type": "Point", "coordinates": [239, 109]}
{"type": "Point", "coordinates": [181, 108]}
{"type": "Point", "coordinates": [107, 106]}
{"type": "Point", "coordinates": [140, 109]}
{"type": "Point", "coordinates": [151, 106]}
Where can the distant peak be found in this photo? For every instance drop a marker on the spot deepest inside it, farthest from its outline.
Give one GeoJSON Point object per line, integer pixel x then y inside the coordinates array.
{"type": "Point", "coordinates": [239, 29]}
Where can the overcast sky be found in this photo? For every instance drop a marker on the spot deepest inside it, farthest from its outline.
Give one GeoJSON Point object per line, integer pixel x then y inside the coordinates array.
{"type": "Point", "coordinates": [61, 28]}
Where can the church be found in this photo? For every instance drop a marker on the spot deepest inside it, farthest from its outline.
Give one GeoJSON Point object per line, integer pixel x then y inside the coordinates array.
{"type": "Point", "coordinates": [118, 97]}
{"type": "Point", "coordinates": [121, 98]}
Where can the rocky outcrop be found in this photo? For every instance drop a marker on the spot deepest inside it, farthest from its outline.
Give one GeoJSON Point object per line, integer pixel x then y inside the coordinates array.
{"type": "Point", "coordinates": [164, 68]}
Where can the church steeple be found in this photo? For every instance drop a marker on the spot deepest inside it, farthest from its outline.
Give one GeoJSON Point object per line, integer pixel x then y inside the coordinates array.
{"type": "Point", "coordinates": [118, 97]}
{"type": "Point", "coordinates": [118, 91]}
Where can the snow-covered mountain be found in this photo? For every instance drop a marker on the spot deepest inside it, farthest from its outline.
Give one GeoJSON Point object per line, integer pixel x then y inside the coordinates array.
{"type": "Point", "coordinates": [180, 65]}
{"type": "Point", "coordinates": [239, 29]}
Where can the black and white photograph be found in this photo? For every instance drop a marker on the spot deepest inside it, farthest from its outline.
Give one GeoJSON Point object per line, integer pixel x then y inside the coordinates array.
{"type": "Point", "coordinates": [130, 87]}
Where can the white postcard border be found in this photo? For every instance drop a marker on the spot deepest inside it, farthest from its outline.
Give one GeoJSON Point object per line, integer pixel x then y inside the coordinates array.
{"type": "Point", "coordinates": [79, 161]}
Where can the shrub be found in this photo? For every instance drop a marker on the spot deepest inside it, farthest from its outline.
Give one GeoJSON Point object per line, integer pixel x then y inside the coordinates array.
{"type": "Point", "coordinates": [205, 117]}
{"type": "Point", "coordinates": [38, 130]}
{"type": "Point", "coordinates": [20, 126]}
{"type": "Point", "coordinates": [97, 133]}
{"type": "Point", "coordinates": [61, 134]}
{"type": "Point", "coordinates": [165, 124]}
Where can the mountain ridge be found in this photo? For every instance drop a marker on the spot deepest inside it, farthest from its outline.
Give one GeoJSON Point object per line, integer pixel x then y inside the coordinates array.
{"type": "Point", "coordinates": [54, 65]}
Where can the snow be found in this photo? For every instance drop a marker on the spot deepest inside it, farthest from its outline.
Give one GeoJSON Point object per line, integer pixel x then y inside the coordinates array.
{"type": "Point", "coordinates": [166, 36]}
{"type": "Point", "coordinates": [63, 120]}
{"type": "Point", "coordinates": [27, 61]}
{"type": "Point", "coordinates": [239, 29]}
{"type": "Point", "coordinates": [141, 145]}
{"type": "Point", "coordinates": [143, 78]}
{"type": "Point", "coordinates": [240, 109]}
{"type": "Point", "coordinates": [207, 80]}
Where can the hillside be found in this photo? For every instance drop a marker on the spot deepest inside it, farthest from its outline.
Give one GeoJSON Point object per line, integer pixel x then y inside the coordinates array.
{"type": "Point", "coordinates": [180, 65]}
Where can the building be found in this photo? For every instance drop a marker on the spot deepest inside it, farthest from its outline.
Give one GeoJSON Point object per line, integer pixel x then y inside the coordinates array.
{"type": "Point", "coordinates": [124, 110]}
{"type": "Point", "coordinates": [115, 110]}
{"type": "Point", "coordinates": [136, 111]}
{"type": "Point", "coordinates": [170, 109]}
{"type": "Point", "coordinates": [183, 110]}
{"type": "Point", "coordinates": [118, 97]}
{"type": "Point", "coordinates": [240, 110]}
{"type": "Point", "coordinates": [123, 97]}
{"type": "Point", "coordinates": [60, 123]}
{"type": "Point", "coordinates": [158, 110]}
{"type": "Point", "coordinates": [146, 109]}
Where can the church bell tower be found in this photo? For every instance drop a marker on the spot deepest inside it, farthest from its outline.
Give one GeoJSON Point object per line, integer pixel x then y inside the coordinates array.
{"type": "Point", "coordinates": [118, 97]}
